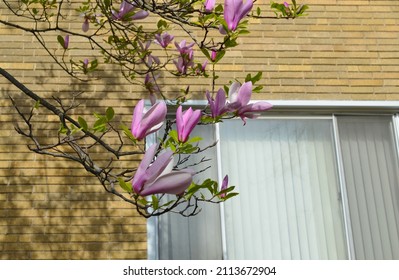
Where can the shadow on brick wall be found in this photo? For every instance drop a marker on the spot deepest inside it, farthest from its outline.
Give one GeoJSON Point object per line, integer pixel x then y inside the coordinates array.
{"type": "Point", "coordinates": [50, 207]}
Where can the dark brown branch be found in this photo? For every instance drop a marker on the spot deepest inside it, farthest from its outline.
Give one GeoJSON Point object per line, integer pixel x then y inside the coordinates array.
{"type": "Point", "coordinates": [62, 115]}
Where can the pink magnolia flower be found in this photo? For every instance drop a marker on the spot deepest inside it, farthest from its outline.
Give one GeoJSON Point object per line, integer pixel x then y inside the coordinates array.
{"type": "Point", "coordinates": [200, 68]}
{"type": "Point", "coordinates": [182, 65]}
{"type": "Point", "coordinates": [203, 66]}
{"type": "Point", "coordinates": [213, 55]}
{"type": "Point", "coordinates": [85, 25]}
{"type": "Point", "coordinates": [159, 177]}
{"type": "Point", "coordinates": [234, 11]}
{"type": "Point", "coordinates": [224, 185]}
{"type": "Point", "coordinates": [252, 111]}
{"type": "Point", "coordinates": [128, 8]}
{"type": "Point", "coordinates": [144, 123]}
{"type": "Point", "coordinates": [186, 121]}
{"type": "Point", "coordinates": [239, 97]}
{"type": "Point", "coordinates": [151, 60]}
{"type": "Point", "coordinates": [66, 42]}
{"type": "Point", "coordinates": [186, 58]}
{"type": "Point", "coordinates": [210, 5]}
{"type": "Point", "coordinates": [148, 58]}
{"type": "Point", "coordinates": [183, 48]}
{"type": "Point", "coordinates": [222, 30]}
{"type": "Point", "coordinates": [164, 39]}
{"type": "Point", "coordinates": [152, 86]}
{"type": "Point", "coordinates": [85, 64]}
{"type": "Point", "coordinates": [218, 106]}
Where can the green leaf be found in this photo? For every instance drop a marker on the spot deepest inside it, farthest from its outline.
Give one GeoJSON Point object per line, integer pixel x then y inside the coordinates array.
{"type": "Point", "coordinates": [109, 113]}
{"type": "Point", "coordinates": [168, 203]}
{"type": "Point", "coordinates": [226, 88]}
{"type": "Point", "coordinates": [107, 3]}
{"type": "Point", "coordinates": [208, 17]}
{"type": "Point", "coordinates": [194, 139]}
{"type": "Point", "coordinates": [219, 8]}
{"type": "Point", "coordinates": [93, 65]}
{"type": "Point", "coordinates": [100, 125]}
{"type": "Point", "coordinates": [162, 24]}
{"type": "Point", "coordinates": [63, 129]}
{"type": "Point", "coordinates": [258, 11]}
{"type": "Point", "coordinates": [257, 89]}
{"type": "Point", "coordinates": [219, 55]}
{"type": "Point", "coordinates": [61, 40]}
{"type": "Point", "coordinates": [37, 104]}
{"type": "Point", "coordinates": [127, 187]}
{"type": "Point", "coordinates": [206, 53]}
{"type": "Point", "coordinates": [230, 195]}
{"type": "Point", "coordinates": [83, 123]}
{"type": "Point", "coordinates": [74, 129]}
{"type": "Point", "coordinates": [188, 149]}
{"type": "Point", "coordinates": [248, 77]}
{"type": "Point", "coordinates": [243, 32]}
{"type": "Point", "coordinates": [128, 133]}
{"type": "Point", "coordinates": [97, 115]}
{"type": "Point", "coordinates": [253, 79]}
{"type": "Point", "coordinates": [142, 201]}
{"type": "Point", "coordinates": [257, 77]}
{"type": "Point", "coordinates": [302, 9]}
{"type": "Point", "coordinates": [227, 190]}
{"type": "Point", "coordinates": [207, 119]}
{"type": "Point", "coordinates": [173, 135]}
{"type": "Point", "coordinates": [192, 189]}
{"type": "Point", "coordinates": [155, 202]}
{"type": "Point", "coordinates": [231, 43]}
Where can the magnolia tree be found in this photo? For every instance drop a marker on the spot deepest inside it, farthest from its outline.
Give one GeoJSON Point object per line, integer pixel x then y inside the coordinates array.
{"type": "Point", "coordinates": [162, 182]}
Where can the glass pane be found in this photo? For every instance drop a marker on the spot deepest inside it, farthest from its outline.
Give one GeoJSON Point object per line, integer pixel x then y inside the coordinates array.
{"type": "Point", "coordinates": [197, 237]}
{"type": "Point", "coordinates": [289, 205]}
{"type": "Point", "coordinates": [371, 176]}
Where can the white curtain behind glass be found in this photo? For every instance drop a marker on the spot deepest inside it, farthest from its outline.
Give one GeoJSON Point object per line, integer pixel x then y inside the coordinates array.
{"type": "Point", "coordinates": [371, 176]}
{"type": "Point", "coordinates": [197, 237]}
{"type": "Point", "coordinates": [289, 204]}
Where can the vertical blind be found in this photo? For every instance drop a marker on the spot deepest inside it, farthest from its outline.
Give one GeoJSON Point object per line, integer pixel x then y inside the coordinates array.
{"type": "Point", "coordinates": [196, 237]}
{"type": "Point", "coordinates": [371, 177]}
{"type": "Point", "coordinates": [290, 204]}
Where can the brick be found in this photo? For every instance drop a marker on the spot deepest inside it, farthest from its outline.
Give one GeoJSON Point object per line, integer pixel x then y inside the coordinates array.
{"type": "Point", "coordinates": [127, 255]}
{"type": "Point", "coordinates": [15, 255]}
{"type": "Point", "coordinates": [295, 68]}
{"type": "Point", "coordinates": [367, 83]}
{"type": "Point", "coordinates": [17, 66]}
{"type": "Point", "coordinates": [89, 255]}
{"type": "Point", "coordinates": [8, 238]}
{"type": "Point", "coordinates": [51, 255]}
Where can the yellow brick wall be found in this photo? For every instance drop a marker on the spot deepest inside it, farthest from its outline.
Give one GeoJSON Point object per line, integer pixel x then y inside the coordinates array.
{"type": "Point", "coordinates": [50, 208]}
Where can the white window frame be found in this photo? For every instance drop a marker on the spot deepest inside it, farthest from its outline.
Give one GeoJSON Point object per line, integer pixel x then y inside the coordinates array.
{"type": "Point", "coordinates": [295, 109]}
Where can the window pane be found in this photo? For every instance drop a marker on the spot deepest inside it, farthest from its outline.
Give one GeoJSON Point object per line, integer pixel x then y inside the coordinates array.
{"type": "Point", "coordinates": [289, 204]}
{"type": "Point", "coordinates": [197, 237]}
{"type": "Point", "coordinates": [371, 176]}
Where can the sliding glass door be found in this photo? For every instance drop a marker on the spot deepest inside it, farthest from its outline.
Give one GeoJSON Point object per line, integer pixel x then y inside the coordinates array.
{"type": "Point", "coordinates": [310, 188]}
